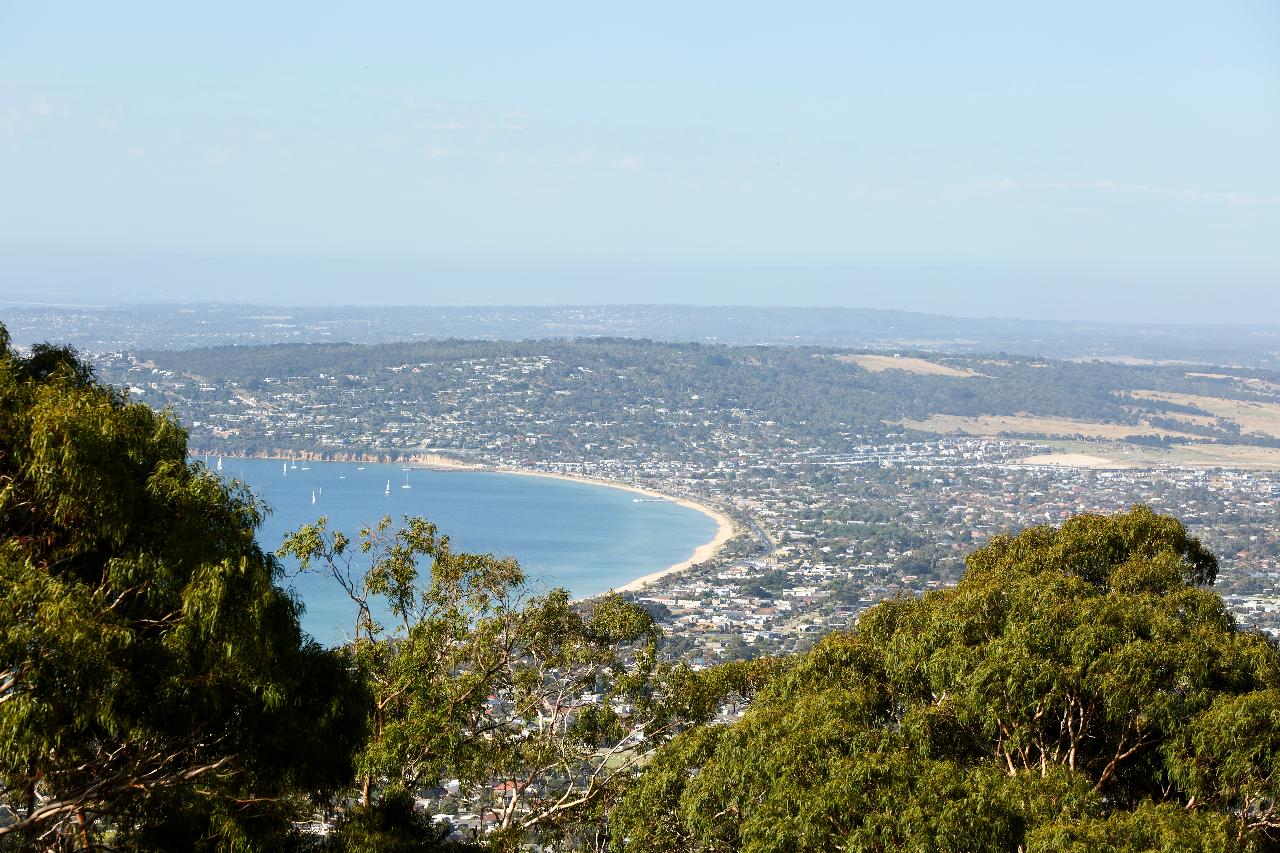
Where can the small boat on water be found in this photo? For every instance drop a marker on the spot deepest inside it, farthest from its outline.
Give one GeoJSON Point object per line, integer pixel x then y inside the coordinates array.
{"type": "Point", "coordinates": [286, 468]}
{"type": "Point", "coordinates": [313, 497]}
{"type": "Point", "coordinates": [406, 482]}
{"type": "Point", "coordinates": [219, 463]}
{"type": "Point", "coordinates": [388, 491]}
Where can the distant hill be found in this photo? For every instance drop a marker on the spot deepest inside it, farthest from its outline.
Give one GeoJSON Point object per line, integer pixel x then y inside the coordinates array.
{"type": "Point", "coordinates": [185, 326]}
{"type": "Point", "coordinates": [686, 398]}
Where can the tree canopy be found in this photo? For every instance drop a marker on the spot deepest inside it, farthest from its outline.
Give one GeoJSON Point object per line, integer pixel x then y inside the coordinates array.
{"type": "Point", "coordinates": [155, 688]}
{"type": "Point", "coordinates": [1080, 689]}
{"type": "Point", "coordinates": [1077, 690]}
{"type": "Point", "coordinates": [534, 709]}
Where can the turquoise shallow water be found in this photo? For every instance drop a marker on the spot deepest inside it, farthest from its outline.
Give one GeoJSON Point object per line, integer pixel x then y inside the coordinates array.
{"type": "Point", "coordinates": [580, 536]}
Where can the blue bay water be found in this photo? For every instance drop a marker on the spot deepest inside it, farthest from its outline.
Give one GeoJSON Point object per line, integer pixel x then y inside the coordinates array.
{"type": "Point", "coordinates": [580, 536]}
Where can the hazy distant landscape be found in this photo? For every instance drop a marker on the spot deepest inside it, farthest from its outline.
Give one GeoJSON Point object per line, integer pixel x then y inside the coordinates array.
{"type": "Point", "coordinates": [185, 326]}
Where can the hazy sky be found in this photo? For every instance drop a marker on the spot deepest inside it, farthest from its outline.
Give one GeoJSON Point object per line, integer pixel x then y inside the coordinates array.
{"type": "Point", "coordinates": [938, 156]}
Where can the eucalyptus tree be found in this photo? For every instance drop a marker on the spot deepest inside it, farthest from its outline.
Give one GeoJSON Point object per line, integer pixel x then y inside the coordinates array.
{"type": "Point", "coordinates": [155, 689]}
{"type": "Point", "coordinates": [532, 709]}
{"type": "Point", "coordinates": [1078, 689]}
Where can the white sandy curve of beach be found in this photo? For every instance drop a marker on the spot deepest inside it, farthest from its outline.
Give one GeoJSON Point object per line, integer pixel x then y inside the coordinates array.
{"type": "Point", "coordinates": [725, 528]}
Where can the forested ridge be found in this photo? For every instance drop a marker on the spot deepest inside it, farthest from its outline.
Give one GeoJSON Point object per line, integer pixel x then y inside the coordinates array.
{"type": "Point", "coordinates": [812, 394]}
{"type": "Point", "coordinates": [1080, 688]}
{"type": "Point", "coordinates": [791, 383]}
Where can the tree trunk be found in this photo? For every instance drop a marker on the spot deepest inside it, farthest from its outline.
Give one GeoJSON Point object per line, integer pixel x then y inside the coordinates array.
{"type": "Point", "coordinates": [82, 825]}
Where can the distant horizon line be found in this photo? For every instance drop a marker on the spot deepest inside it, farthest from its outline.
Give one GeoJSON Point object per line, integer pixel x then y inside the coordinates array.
{"type": "Point", "coordinates": [151, 302]}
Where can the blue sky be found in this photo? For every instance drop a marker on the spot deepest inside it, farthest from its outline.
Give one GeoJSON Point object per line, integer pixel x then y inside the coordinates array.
{"type": "Point", "coordinates": [936, 156]}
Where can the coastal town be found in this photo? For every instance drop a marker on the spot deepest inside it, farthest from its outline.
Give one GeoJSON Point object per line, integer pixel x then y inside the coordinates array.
{"type": "Point", "coordinates": [830, 484]}
{"type": "Point", "coordinates": [814, 528]}
{"type": "Point", "coordinates": [663, 428]}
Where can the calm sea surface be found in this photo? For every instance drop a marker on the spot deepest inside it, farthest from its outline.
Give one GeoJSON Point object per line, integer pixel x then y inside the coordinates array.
{"type": "Point", "coordinates": [580, 536]}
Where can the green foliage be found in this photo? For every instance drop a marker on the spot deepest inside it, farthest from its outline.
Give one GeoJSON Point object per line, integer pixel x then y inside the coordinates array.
{"type": "Point", "coordinates": [390, 826]}
{"type": "Point", "coordinates": [540, 709]}
{"type": "Point", "coordinates": [1229, 755]}
{"type": "Point", "coordinates": [1076, 689]}
{"type": "Point", "coordinates": [1132, 552]}
{"type": "Point", "coordinates": [152, 673]}
{"type": "Point", "coordinates": [1150, 828]}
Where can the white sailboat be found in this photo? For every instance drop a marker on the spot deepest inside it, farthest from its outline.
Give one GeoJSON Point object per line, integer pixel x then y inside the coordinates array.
{"type": "Point", "coordinates": [286, 468]}
{"type": "Point", "coordinates": [313, 497]}
{"type": "Point", "coordinates": [388, 491]}
{"type": "Point", "coordinates": [406, 482]}
{"type": "Point", "coordinates": [219, 463]}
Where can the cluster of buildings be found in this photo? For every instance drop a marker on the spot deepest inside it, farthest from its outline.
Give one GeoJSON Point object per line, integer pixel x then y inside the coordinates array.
{"type": "Point", "coordinates": [829, 523]}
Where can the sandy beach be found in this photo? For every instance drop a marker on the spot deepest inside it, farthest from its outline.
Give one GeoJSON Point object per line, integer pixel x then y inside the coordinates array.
{"type": "Point", "coordinates": [725, 527]}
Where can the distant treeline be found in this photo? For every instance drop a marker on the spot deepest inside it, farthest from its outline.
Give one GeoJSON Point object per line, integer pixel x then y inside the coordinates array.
{"type": "Point", "coordinates": [804, 390]}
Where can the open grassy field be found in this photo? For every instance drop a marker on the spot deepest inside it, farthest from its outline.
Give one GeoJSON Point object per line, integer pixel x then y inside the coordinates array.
{"type": "Point", "coordinates": [877, 363]}
{"type": "Point", "coordinates": [1023, 424]}
{"type": "Point", "coordinates": [1202, 420]}
{"type": "Point", "coordinates": [1253, 383]}
{"type": "Point", "coordinates": [1262, 418]}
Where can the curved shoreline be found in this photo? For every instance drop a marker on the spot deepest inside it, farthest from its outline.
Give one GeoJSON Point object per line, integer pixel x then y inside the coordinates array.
{"type": "Point", "coordinates": [726, 528]}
